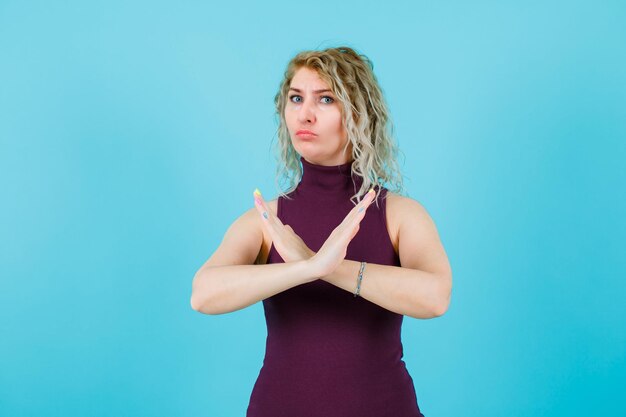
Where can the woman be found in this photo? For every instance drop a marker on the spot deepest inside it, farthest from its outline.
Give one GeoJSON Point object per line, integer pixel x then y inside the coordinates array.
{"type": "Point", "coordinates": [335, 276]}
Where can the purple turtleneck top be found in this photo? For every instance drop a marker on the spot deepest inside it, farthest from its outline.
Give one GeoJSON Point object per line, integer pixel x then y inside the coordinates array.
{"type": "Point", "coordinates": [328, 353]}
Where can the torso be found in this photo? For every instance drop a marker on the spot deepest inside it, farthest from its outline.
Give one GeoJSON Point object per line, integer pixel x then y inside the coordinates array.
{"type": "Point", "coordinates": [319, 335]}
{"type": "Point", "coordinates": [392, 217]}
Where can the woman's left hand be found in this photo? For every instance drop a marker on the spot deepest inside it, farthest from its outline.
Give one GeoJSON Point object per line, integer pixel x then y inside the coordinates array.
{"type": "Point", "coordinates": [288, 244]}
{"type": "Point", "coordinates": [333, 251]}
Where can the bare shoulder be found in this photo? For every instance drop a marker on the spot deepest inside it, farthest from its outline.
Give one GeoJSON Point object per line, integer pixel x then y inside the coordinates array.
{"type": "Point", "coordinates": [244, 242]}
{"type": "Point", "coordinates": [419, 244]}
{"type": "Point", "coordinates": [401, 207]}
{"type": "Point", "coordinates": [397, 206]}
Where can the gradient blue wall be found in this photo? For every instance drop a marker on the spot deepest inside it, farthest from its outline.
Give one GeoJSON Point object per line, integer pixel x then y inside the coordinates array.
{"type": "Point", "coordinates": [132, 133]}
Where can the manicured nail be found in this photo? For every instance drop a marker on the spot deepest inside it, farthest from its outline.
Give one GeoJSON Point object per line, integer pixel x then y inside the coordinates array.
{"type": "Point", "coordinates": [257, 192]}
{"type": "Point", "coordinates": [371, 190]}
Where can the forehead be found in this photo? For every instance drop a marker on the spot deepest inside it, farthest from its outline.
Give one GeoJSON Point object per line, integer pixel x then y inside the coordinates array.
{"type": "Point", "coordinates": [306, 78]}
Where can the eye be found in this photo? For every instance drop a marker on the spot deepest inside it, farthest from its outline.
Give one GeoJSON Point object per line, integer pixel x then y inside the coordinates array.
{"type": "Point", "coordinates": [291, 98]}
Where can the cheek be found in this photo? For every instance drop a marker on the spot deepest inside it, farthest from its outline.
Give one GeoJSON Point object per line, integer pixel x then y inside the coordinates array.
{"type": "Point", "coordinates": [288, 116]}
{"type": "Point", "coordinates": [338, 122]}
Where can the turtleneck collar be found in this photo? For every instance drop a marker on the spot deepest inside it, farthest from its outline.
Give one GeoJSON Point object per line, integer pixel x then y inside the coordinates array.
{"type": "Point", "coordinates": [333, 179]}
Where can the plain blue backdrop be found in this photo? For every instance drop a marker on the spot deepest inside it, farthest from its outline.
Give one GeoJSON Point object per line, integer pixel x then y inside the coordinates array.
{"type": "Point", "coordinates": [132, 134]}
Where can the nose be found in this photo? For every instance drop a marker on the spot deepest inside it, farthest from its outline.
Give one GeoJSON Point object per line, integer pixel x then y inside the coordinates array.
{"type": "Point", "coordinates": [306, 114]}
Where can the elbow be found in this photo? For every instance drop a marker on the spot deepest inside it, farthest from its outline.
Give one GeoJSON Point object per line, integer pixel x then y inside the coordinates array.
{"type": "Point", "coordinates": [441, 309]}
{"type": "Point", "coordinates": [195, 303]}
{"type": "Point", "coordinates": [199, 300]}
{"type": "Point", "coordinates": [444, 299]}
{"type": "Point", "coordinates": [201, 305]}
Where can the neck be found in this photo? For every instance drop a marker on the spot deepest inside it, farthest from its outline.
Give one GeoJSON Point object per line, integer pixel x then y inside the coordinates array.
{"type": "Point", "coordinates": [328, 179]}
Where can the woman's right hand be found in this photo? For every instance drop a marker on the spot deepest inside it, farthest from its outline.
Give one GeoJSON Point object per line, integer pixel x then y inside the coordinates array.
{"type": "Point", "coordinates": [287, 243]}
{"type": "Point", "coordinates": [334, 249]}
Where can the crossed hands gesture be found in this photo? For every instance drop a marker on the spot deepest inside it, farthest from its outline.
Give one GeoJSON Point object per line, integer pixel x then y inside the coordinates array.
{"type": "Point", "coordinates": [292, 248]}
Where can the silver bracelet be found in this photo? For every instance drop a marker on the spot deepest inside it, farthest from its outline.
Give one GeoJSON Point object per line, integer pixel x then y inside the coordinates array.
{"type": "Point", "coordinates": [360, 277]}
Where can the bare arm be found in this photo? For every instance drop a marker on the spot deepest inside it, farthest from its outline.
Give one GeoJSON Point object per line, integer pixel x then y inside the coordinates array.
{"type": "Point", "coordinates": [223, 289]}
{"type": "Point", "coordinates": [402, 290]}
{"type": "Point", "coordinates": [230, 280]}
{"type": "Point", "coordinates": [421, 287]}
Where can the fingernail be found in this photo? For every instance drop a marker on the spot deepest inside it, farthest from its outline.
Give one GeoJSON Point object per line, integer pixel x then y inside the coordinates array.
{"type": "Point", "coordinates": [257, 192]}
{"type": "Point", "coordinates": [371, 190]}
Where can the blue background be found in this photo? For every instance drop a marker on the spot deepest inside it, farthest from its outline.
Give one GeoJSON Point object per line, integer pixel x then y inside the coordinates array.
{"type": "Point", "coordinates": [133, 133]}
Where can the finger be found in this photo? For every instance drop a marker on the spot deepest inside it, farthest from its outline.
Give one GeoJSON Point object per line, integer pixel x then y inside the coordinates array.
{"type": "Point", "coordinates": [264, 209]}
{"type": "Point", "coordinates": [355, 231]}
{"type": "Point", "coordinates": [266, 216]}
{"type": "Point", "coordinates": [271, 222]}
{"type": "Point", "coordinates": [366, 201]}
{"type": "Point", "coordinates": [358, 212]}
{"type": "Point", "coordinates": [260, 204]}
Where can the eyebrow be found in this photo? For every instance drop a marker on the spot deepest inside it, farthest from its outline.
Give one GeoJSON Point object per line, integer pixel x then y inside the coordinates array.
{"type": "Point", "coordinates": [315, 91]}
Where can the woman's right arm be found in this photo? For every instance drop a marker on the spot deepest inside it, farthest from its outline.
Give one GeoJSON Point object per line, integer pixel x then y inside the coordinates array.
{"type": "Point", "coordinates": [230, 281]}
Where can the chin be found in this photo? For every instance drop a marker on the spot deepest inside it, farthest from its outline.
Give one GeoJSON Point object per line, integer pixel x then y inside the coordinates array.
{"type": "Point", "coordinates": [310, 153]}
{"type": "Point", "coordinates": [306, 149]}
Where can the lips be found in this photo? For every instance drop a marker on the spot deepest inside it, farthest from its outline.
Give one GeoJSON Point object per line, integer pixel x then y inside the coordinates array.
{"type": "Point", "coordinates": [305, 133]}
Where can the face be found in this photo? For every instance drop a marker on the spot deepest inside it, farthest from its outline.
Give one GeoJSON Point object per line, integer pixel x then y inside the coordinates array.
{"type": "Point", "coordinates": [311, 106]}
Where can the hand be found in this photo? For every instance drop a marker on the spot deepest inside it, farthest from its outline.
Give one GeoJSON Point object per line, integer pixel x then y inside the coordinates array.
{"type": "Point", "coordinates": [334, 249]}
{"type": "Point", "coordinates": [287, 243]}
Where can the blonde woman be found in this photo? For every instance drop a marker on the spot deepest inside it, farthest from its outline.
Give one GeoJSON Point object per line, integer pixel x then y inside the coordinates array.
{"type": "Point", "coordinates": [337, 259]}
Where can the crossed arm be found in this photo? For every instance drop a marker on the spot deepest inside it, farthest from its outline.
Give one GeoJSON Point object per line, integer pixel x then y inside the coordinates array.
{"type": "Point", "coordinates": [406, 291]}
{"type": "Point", "coordinates": [420, 288]}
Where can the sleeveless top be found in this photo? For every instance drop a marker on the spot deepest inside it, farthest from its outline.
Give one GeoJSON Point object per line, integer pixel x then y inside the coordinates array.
{"type": "Point", "coordinates": [328, 353]}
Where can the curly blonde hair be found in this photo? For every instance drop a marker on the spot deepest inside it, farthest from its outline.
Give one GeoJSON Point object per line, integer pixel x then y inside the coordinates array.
{"type": "Point", "coordinates": [364, 114]}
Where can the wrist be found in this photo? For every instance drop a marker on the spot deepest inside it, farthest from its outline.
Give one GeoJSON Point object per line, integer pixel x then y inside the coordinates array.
{"type": "Point", "coordinates": [313, 270]}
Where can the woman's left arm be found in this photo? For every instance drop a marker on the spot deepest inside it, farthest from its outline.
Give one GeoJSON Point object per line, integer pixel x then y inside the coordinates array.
{"type": "Point", "coordinates": [422, 286]}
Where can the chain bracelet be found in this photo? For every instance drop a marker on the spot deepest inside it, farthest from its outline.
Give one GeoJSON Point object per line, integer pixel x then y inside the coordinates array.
{"type": "Point", "coordinates": [359, 278]}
